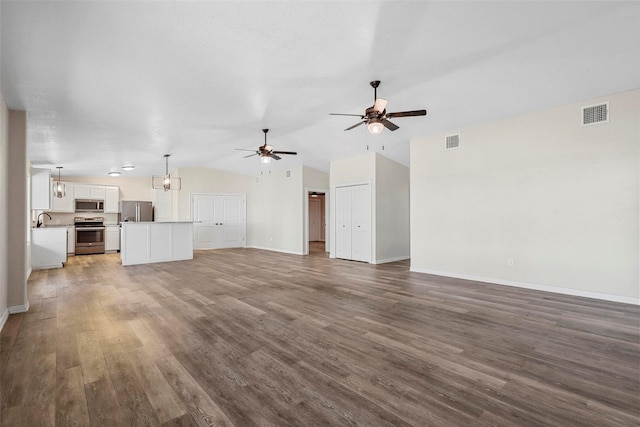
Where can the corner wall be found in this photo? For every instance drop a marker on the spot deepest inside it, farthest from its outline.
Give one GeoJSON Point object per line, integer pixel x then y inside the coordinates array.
{"type": "Point", "coordinates": [558, 199]}
{"type": "Point", "coordinates": [4, 203]}
{"type": "Point", "coordinates": [17, 192]}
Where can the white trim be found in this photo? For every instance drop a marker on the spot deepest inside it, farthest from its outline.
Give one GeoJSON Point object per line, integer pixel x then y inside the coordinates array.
{"type": "Point", "coordinates": [262, 248]}
{"type": "Point", "coordinates": [3, 318]}
{"type": "Point", "coordinates": [535, 286]}
{"type": "Point", "coordinates": [47, 266]}
{"type": "Point", "coordinates": [305, 216]}
{"type": "Point", "coordinates": [394, 259]}
{"type": "Point", "coordinates": [14, 309]}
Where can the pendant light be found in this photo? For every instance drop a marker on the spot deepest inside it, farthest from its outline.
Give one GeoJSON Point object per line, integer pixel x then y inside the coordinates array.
{"type": "Point", "coordinates": [166, 182]}
{"type": "Point", "coordinates": [59, 189]}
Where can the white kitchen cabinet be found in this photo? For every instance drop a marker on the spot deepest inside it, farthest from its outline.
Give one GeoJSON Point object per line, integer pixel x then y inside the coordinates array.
{"type": "Point", "coordinates": [81, 191]}
{"type": "Point", "coordinates": [40, 189]}
{"type": "Point", "coordinates": [48, 247]}
{"type": "Point", "coordinates": [149, 242]}
{"type": "Point", "coordinates": [96, 192]}
{"type": "Point", "coordinates": [65, 203]}
{"type": "Point", "coordinates": [111, 199]}
{"type": "Point", "coordinates": [71, 240]}
{"type": "Point", "coordinates": [112, 238]}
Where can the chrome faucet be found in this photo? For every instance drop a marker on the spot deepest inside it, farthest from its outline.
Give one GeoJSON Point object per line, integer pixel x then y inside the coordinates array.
{"type": "Point", "coordinates": [39, 223]}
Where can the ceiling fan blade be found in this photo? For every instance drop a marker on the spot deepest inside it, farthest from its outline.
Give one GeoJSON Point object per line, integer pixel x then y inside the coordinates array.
{"type": "Point", "coordinates": [250, 155]}
{"type": "Point", "coordinates": [243, 149]}
{"type": "Point", "coordinates": [407, 113]}
{"type": "Point", "coordinates": [284, 152]}
{"type": "Point", "coordinates": [339, 114]}
{"type": "Point", "coordinates": [380, 105]}
{"type": "Point", "coordinates": [274, 156]}
{"type": "Point", "coordinates": [388, 124]}
{"type": "Point", "coordinates": [355, 126]}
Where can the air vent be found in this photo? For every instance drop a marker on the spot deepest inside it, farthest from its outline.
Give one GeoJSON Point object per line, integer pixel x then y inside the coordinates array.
{"type": "Point", "coordinates": [594, 114]}
{"type": "Point", "coordinates": [453, 141]}
{"type": "Point", "coordinates": [287, 173]}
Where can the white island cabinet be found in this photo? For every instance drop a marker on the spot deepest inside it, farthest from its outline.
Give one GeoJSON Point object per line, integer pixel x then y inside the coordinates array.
{"type": "Point", "coordinates": [149, 242]}
{"type": "Point", "coordinates": [48, 247]}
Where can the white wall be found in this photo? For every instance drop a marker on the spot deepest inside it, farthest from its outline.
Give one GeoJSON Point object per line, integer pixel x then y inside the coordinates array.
{"type": "Point", "coordinates": [4, 219]}
{"type": "Point", "coordinates": [392, 210]}
{"type": "Point", "coordinates": [559, 198]}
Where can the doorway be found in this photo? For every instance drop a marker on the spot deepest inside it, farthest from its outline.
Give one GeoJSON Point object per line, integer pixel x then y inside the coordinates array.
{"type": "Point", "coordinates": [316, 214]}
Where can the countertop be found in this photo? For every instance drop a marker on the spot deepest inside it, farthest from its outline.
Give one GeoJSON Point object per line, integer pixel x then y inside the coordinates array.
{"type": "Point", "coordinates": [159, 222]}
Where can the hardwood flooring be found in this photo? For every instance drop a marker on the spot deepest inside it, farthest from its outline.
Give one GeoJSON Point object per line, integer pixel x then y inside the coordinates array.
{"type": "Point", "coordinates": [245, 337]}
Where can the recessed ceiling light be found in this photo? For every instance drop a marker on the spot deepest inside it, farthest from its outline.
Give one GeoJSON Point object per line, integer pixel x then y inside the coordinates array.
{"type": "Point", "coordinates": [128, 167]}
{"type": "Point", "coordinates": [114, 173]}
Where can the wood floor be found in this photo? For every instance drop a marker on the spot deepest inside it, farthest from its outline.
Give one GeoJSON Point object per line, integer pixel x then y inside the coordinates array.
{"type": "Point", "coordinates": [246, 337]}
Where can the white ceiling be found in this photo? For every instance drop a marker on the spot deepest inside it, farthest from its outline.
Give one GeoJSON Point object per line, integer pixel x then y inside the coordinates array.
{"type": "Point", "coordinates": [107, 83]}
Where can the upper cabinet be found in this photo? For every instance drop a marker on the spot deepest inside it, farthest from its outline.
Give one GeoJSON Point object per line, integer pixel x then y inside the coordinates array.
{"type": "Point", "coordinates": [111, 199]}
{"type": "Point", "coordinates": [110, 195]}
{"type": "Point", "coordinates": [64, 203]}
{"type": "Point", "coordinates": [40, 189]}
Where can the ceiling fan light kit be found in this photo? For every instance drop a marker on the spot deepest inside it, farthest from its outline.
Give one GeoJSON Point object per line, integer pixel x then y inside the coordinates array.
{"type": "Point", "coordinates": [166, 182]}
{"type": "Point", "coordinates": [376, 116]}
{"type": "Point", "coordinates": [266, 152]}
{"type": "Point", "coordinates": [59, 189]}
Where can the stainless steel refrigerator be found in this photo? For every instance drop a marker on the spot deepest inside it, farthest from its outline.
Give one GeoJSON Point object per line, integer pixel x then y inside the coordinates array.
{"type": "Point", "coordinates": [135, 211]}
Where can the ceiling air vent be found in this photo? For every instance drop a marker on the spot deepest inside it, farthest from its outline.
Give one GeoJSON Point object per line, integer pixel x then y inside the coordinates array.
{"type": "Point", "coordinates": [453, 141]}
{"type": "Point", "coordinates": [594, 114]}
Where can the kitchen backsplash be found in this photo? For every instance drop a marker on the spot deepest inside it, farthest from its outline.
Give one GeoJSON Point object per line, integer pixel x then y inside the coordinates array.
{"type": "Point", "coordinates": [67, 218]}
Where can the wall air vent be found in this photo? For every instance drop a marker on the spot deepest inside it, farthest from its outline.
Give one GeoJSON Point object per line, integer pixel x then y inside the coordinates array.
{"type": "Point", "coordinates": [594, 114]}
{"type": "Point", "coordinates": [287, 173]}
{"type": "Point", "coordinates": [452, 141]}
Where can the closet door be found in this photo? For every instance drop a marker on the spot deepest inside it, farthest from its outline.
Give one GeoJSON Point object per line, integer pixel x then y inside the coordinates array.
{"type": "Point", "coordinates": [343, 222]}
{"type": "Point", "coordinates": [361, 223]}
{"type": "Point", "coordinates": [353, 222]}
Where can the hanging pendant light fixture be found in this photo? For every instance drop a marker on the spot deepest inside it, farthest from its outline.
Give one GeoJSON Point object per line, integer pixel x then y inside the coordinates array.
{"type": "Point", "coordinates": [166, 182]}
{"type": "Point", "coordinates": [59, 189]}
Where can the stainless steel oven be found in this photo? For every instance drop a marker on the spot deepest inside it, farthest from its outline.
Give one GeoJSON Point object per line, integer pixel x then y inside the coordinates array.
{"type": "Point", "coordinates": [89, 235]}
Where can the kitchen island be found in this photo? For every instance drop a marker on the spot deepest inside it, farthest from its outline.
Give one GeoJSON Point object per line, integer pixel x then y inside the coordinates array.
{"type": "Point", "coordinates": [149, 242]}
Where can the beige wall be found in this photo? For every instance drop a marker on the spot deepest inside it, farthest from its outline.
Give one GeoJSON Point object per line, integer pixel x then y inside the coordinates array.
{"type": "Point", "coordinates": [392, 210]}
{"type": "Point", "coordinates": [17, 208]}
{"type": "Point", "coordinates": [4, 202]}
{"type": "Point", "coordinates": [205, 180]}
{"type": "Point", "coordinates": [275, 211]}
{"type": "Point", "coordinates": [558, 198]}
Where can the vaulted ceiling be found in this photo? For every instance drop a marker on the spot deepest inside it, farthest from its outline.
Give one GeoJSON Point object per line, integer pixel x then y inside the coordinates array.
{"type": "Point", "coordinates": [109, 83]}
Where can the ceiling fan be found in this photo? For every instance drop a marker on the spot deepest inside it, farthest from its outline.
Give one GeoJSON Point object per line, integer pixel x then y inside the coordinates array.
{"type": "Point", "coordinates": [376, 116]}
{"type": "Point", "coordinates": [266, 152]}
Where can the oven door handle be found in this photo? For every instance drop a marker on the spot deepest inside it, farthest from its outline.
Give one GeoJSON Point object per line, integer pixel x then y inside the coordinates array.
{"type": "Point", "coordinates": [89, 228]}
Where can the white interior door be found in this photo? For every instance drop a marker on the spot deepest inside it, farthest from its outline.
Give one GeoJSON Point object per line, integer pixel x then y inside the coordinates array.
{"type": "Point", "coordinates": [316, 224]}
{"type": "Point", "coordinates": [353, 222]}
{"type": "Point", "coordinates": [343, 222]}
{"type": "Point", "coordinates": [219, 221]}
{"type": "Point", "coordinates": [361, 223]}
{"type": "Point", "coordinates": [231, 221]}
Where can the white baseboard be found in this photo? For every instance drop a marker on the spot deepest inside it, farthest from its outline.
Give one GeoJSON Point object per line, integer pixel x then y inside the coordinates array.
{"type": "Point", "coordinates": [19, 308]}
{"type": "Point", "coordinates": [3, 318]}
{"type": "Point", "coordinates": [394, 259]}
{"type": "Point", "coordinates": [534, 286]}
{"type": "Point", "coordinates": [276, 250]}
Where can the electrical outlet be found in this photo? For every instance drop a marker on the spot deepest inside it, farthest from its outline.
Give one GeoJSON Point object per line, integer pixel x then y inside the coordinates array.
{"type": "Point", "coordinates": [510, 262]}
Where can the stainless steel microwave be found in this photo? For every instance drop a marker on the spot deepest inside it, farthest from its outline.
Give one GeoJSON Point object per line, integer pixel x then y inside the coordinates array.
{"type": "Point", "coordinates": [84, 205]}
